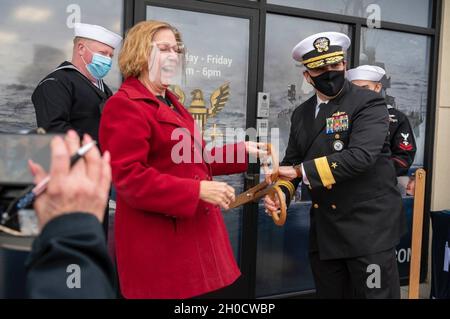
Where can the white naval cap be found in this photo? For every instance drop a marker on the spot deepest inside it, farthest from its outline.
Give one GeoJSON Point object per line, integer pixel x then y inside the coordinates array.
{"type": "Point", "coordinates": [321, 49]}
{"type": "Point", "coordinates": [97, 33]}
{"type": "Point", "coordinates": [366, 73]}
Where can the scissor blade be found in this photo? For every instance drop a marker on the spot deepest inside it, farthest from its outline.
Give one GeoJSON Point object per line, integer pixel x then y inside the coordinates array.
{"type": "Point", "coordinates": [263, 192]}
{"type": "Point", "coordinates": [249, 195]}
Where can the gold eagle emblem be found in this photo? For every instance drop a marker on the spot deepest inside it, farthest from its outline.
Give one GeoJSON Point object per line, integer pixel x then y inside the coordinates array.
{"type": "Point", "coordinates": [322, 44]}
{"type": "Point", "coordinates": [198, 109]}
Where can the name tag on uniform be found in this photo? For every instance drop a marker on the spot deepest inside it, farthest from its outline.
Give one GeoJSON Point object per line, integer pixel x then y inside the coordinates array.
{"type": "Point", "coordinates": [338, 122]}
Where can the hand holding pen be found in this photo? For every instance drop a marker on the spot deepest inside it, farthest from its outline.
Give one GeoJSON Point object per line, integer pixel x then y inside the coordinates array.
{"type": "Point", "coordinates": [82, 188]}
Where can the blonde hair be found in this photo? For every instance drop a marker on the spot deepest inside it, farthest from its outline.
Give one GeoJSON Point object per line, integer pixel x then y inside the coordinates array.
{"type": "Point", "coordinates": [77, 40]}
{"type": "Point", "coordinates": [137, 47]}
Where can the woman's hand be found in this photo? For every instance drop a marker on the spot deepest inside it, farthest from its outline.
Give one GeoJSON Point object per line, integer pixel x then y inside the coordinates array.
{"type": "Point", "coordinates": [256, 149]}
{"type": "Point", "coordinates": [217, 193]}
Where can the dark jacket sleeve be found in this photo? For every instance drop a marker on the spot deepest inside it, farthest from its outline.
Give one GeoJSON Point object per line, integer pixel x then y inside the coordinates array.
{"type": "Point", "coordinates": [69, 259]}
{"type": "Point", "coordinates": [368, 135]}
{"type": "Point", "coordinates": [52, 103]}
{"type": "Point", "coordinates": [403, 146]}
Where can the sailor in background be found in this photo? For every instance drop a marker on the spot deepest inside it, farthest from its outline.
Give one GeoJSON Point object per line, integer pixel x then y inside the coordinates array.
{"type": "Point", "coordinates": [339, 147]}
{"type": "Point", "coordinates": [72, 96]}
{"type": "Point", "coordinates": [403, 144]}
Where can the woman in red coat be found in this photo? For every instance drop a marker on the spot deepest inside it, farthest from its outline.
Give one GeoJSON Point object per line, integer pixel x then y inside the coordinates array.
{"type": "Point", "coordinates": [171, 240]}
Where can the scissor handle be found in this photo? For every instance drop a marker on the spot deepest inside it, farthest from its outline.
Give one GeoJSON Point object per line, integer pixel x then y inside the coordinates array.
{"type": "Point", "coordinates": [275, 163]}
{"type": "Point", "coordinates": [266, 187]}
{"type": "Point", "coordinates": [279, 218]}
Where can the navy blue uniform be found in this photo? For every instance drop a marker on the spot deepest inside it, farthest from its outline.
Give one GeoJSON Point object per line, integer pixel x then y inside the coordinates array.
{"type": "Point", "coordinates": [66, 99]}
{"type": "Point", "coordinates": [356, 206]}
{"type": "Point", "coordinates": [403, 144]}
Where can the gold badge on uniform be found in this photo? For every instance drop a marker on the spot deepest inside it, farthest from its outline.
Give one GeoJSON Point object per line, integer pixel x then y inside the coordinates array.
{"type": "Point", "coordinates": [338, 122]}
{"type": "Point", "coordinates": [322, 44]}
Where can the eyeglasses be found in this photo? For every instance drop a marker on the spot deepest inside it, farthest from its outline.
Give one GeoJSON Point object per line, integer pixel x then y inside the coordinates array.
{"type": "Point", "coordinates": [165, 47]}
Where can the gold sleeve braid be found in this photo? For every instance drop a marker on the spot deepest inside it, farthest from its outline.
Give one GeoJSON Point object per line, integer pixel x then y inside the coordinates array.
{"type": "Point", "coordinates": [290, 187]}
{"type": "Point", "coordinates": [324, 170]}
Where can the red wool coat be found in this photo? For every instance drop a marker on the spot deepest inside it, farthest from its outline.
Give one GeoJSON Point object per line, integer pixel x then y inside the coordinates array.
{"type": "Point", "coordinates": [169, 243]}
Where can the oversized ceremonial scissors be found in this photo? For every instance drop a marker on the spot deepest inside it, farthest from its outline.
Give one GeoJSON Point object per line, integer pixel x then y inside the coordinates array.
{"type": "Point", "coordinates": [268, 187]}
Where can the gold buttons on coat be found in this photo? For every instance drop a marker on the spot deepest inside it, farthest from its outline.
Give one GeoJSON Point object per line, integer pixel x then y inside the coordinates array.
{"type": "Point", "coordinates": [333, 207]}
{"type": "Point", "coordinates": [316, 206]}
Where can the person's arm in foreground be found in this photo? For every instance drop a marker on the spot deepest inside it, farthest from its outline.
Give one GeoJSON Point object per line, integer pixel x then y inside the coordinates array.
{"type": "Point", "coordinates": [69, 259]}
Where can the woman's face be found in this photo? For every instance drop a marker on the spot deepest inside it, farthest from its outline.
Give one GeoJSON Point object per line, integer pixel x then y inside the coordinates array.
{"type": "Point", "coordinates": [164, 60]}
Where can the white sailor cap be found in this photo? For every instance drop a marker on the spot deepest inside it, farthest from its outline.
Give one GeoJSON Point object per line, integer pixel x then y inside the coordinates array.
{"type": "Point", "coordinates": [321, 49]}
{"type": "Point", "coordinates": [367, 73]}
{"type": "Point", "coordinates": [97, 33]}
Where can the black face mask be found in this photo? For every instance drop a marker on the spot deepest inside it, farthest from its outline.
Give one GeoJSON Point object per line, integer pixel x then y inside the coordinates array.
{"type": "Point", "coordinates": [329, 83]}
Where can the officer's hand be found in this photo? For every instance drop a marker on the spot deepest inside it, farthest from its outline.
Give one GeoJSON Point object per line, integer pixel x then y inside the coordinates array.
{"type": "Point", "coordinates": [271, 206]}
{"type": "Point", "coordinates": [287, 172]}
{"type": "Point", "coordinates": [84, 188]}
{"type": "Point", "coordinates": [217, 193]}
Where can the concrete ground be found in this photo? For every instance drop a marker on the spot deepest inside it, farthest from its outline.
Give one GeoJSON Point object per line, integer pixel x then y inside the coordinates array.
{"type": "Point", "coordinates": [424, 291]}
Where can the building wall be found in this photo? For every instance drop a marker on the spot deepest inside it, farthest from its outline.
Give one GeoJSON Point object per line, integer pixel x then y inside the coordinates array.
{"type": "Point", "coordinates": [441, 168]}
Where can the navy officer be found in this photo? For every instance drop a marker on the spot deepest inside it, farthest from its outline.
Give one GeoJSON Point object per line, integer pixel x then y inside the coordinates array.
{"type": "Point", "coordinates": [339, 147]}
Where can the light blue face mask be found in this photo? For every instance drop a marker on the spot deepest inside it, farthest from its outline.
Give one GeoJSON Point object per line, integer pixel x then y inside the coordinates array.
{"type": "Point", "coordinates": [100, 65]}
